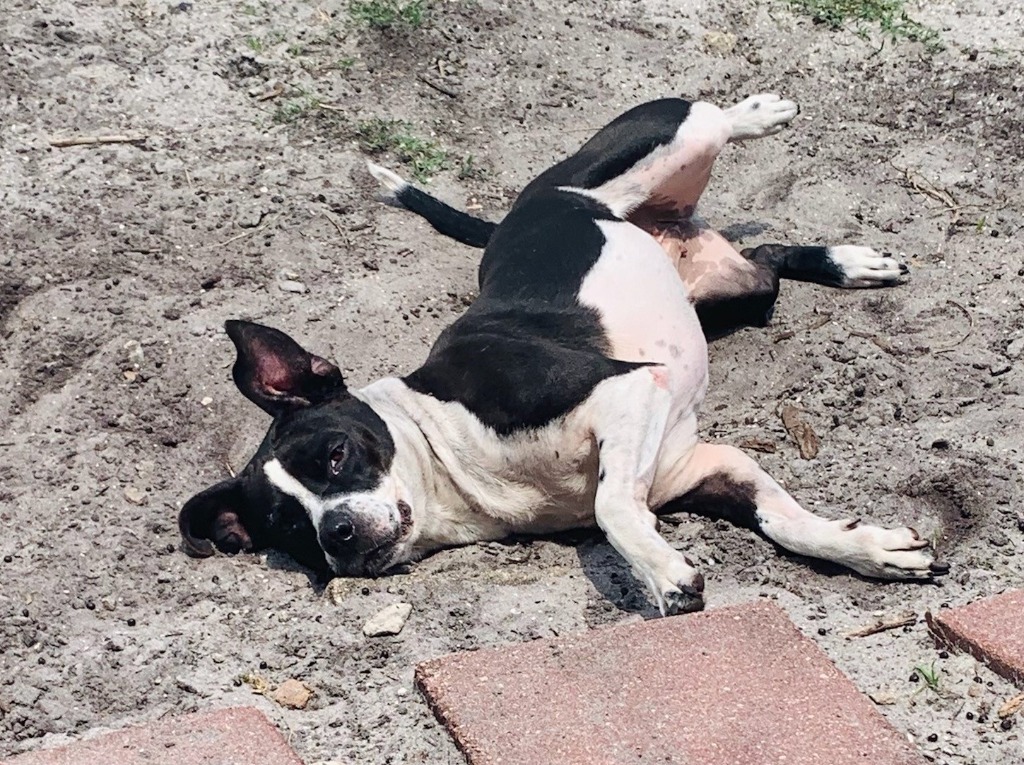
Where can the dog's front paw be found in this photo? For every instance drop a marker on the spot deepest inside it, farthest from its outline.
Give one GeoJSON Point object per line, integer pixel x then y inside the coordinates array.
{"type": "Point", "coordinates": [891, 553]}
{"type": "Point", "coordinates": [761, 115]}
{"type": "Point", "coordinates": [681, 589]}
{"type": "Point", "coordinates": [684, 600]}
{"type": "Point", "coordinates": [864, 267]}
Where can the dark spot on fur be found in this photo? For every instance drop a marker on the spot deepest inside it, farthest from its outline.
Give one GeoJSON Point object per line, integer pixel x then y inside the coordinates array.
{"type": "Point", "coordinates": [600, 476]}
{"type": "Point", "coordinates": [719, 496]}
{"type": "Point", "coordinates": [755, 106]}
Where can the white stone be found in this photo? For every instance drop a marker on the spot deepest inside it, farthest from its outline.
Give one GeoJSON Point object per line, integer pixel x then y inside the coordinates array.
{"type": "Point", "coordinates": [388, 621]}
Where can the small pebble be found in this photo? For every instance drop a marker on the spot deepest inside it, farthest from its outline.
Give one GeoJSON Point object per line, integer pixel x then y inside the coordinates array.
{"type": "Point", "coordinates": [388, 621]}
{"type": "Point", "coordinates": [290, 285]}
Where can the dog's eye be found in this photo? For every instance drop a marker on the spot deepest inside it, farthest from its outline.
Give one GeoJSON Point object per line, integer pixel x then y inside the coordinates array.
{"type": "Point", "coordinates": [337, 459]}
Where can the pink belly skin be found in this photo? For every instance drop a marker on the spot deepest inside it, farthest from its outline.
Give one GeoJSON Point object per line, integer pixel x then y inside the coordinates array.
{"type": "Point", "coordinates": [646, 311]}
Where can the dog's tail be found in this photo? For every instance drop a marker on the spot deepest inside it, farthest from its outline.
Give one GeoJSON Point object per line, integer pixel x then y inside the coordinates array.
{"type": "Point", "coordinates": [459, 225]}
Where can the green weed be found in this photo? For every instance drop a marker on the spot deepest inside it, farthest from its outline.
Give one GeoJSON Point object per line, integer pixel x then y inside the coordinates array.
{"type": "Point", "coordinates": [470, 170]}
{"type": "Point", "coordinates": [930, 675]}
{"type": "Point", "coordinates": [424, 157]}
{"type": "Point", "coordinates": [388, 14]}
{"type": "Point", "coordinates": [294, 108]}
{"type": "Point", "coordinates": [890, 15]}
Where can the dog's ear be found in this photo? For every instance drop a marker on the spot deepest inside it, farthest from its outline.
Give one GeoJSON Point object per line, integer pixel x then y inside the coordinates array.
{"type": "Point", "coordinates": [213, 519]}
{"type": "Point", "coordinates": [276, 373]}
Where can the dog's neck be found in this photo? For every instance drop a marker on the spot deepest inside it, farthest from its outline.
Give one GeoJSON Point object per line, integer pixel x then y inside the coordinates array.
{"type": "Point", "coordinates": [446, 511]}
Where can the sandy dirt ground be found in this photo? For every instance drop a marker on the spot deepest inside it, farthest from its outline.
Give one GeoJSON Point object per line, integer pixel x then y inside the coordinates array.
{"type": "Point", "coordinates": [120, 262]}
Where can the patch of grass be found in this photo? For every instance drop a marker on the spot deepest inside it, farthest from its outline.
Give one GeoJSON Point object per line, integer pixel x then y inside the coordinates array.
{"type": "Point", "coordinates": [424, 157]}
{"type": "Point", "coordinates": [890, 15]}
{"type": "Point", "coordinates": [255, 44]}
{"type": "Point", "coordinates": [295, 108]}
{"type": "Point", "coordinates": [930, 675]}
{"type": "Point", "coordinates": [344, 64]}
{"type": "Point", "coordinates": [388, 14]}
{"type": "Point", "coordinates": [469, 170]}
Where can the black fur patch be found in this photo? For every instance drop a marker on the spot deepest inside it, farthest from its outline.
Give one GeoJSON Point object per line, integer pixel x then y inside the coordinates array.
{"type": "Point", "coordinates": [719, 496]}
{"type": "Point", "coordinates": [805, 264]}
{"type": "Point", "coordinates": [460, 226]}
{"type": "Point", "coordinates": [617, 147]}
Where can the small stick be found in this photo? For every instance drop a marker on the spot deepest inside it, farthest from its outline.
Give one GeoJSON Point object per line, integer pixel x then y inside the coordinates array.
{"type": "Point", "coordinates": [970, 329]}
{"type": "Point", "coordinates": [883, 626]}
{"type": "Point", "coordinates": [437, 86]}
{"type": "Point", "coordinates": [244, 234]}
{"type": "Point", "coordinates": [95, 140]}
{"type": "Point", "coordinates": [1011, 706]}
{"type": "Point", "coordinates": [335, 224]}
{"type": "Point", "coordinates": [274, 92]}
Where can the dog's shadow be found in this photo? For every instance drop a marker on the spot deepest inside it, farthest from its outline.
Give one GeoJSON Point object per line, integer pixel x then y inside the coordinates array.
{"type": "Point", "coordinates": [282, 561]}
{"type": "Point", "coordinates": [608, 571]}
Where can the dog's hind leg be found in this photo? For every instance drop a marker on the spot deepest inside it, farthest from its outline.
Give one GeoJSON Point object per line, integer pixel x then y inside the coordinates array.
{"type": "Point", "coordinates": [659, 155]}
{"type": "Point", "coordinates": [630, 415]}
{"type": "Point", "coordinates": [722, 481]}
{"type": "Point", "coordinates": [732, 289]}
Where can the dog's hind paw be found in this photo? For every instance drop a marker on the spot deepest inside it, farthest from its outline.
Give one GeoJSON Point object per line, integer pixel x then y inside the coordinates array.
{"type": "Point", "coordinates": [864, 267]}
{"type": "Point", "coordinates": [759, 116]}
{"type": "Point", "coordinates": [890, 553]}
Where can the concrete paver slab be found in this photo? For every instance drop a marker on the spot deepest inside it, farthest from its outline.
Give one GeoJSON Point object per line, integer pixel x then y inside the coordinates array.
{"type": "Point", "coordinates": [737, 685]}
{"type": "Point", "coordinates": [231, 736]}
{"type": "Point", "coordinates": [991, 630]}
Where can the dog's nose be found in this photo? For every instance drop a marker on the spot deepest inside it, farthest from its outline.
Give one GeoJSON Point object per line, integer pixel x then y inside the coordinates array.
{"type": "Point", "coordinates": [337, 534]}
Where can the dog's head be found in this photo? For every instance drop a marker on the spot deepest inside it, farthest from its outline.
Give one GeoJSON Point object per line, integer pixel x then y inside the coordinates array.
{"type": "Point", "coordinates": [320, 487]}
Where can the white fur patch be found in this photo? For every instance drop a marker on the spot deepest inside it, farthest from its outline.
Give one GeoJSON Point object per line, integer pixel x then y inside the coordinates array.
{"type": "Point", "coordinates": [863, 267]}
{"type": "Point", "coordinates": [699, 138]}
{"type": "Point", "coordinates": [391, 181]}
{"type": "Point", "coordinates": [286, 483]}
{"type": "Point", "coordinates": [759, 116]}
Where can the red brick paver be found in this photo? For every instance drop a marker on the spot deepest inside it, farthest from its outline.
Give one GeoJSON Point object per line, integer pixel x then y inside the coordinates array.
{"type": "Point", "coordinates": [733, 686]}
{"type": "Point", "coordinates": [991, 630]}
{"type": "Point", "coordinates": [234, 736]}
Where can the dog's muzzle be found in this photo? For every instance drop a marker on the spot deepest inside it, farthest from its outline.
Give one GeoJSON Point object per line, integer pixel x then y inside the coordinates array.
{"type": "Point", "coordinates": [359, 537]}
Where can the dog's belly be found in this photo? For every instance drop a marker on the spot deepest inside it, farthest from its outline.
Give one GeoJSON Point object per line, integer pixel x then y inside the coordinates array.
{"type": "Point", "coordinates": [646, 312]}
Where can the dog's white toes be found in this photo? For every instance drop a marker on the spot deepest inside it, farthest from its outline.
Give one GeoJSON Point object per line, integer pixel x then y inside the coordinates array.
{"type": "Point", "coordinates": [891, 553]}
{"type": "Point", "coordinates": [761, 115]}
{"type": "Point", "coordinates": [864, 267]}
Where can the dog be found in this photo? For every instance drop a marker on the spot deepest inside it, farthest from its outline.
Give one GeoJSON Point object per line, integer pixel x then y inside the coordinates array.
{"type": "Point", "coordinates": [565, 396]}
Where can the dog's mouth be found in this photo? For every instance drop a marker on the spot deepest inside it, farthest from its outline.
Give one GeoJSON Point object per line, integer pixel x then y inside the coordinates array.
{"type": "Point", "coordinates": [378, 559]}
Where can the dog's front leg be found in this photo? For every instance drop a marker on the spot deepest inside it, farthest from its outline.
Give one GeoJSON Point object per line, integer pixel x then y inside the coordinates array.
{"type": "Point", "coordinates": [631, 413]}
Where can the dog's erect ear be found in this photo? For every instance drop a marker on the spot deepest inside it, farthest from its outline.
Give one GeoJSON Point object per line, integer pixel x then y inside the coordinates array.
{"type": "Point", "coordinates": [276, 373]}
{"type": "Point", "coordinates": [213, 518]}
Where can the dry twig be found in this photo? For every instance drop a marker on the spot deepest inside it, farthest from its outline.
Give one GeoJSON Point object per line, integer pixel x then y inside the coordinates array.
{"type": "Point", "coordinates": [95, 140]}
{"type": "Point", "coordinates": [437, 86]}
{"type": "Point", "coordinates": [883, 626]}
{"type": "Point", "coordinates": [970, 329]}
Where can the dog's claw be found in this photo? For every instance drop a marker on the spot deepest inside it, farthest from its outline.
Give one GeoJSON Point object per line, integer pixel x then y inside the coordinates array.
{"type": "Point", "coordinates": [683, 601]}
{"type": "Point", "coordinates": [686, 599]}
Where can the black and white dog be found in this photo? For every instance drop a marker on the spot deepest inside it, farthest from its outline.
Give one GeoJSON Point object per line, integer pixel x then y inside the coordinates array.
{"type": "Point", "coordinates": [566, 395]}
